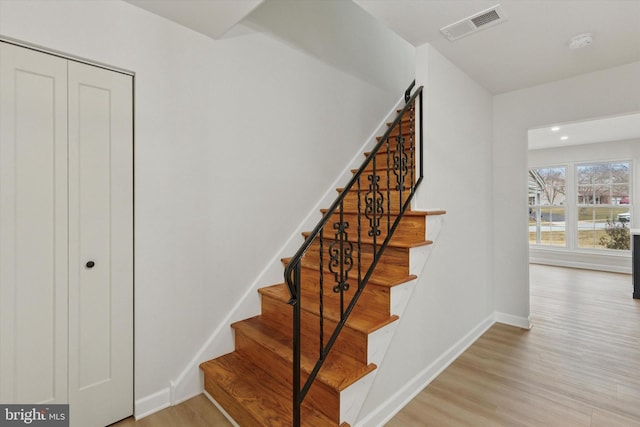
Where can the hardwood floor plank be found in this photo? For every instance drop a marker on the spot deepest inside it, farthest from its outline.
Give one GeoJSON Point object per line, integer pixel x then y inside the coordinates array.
{"type": "Point", "coordinates": [195, 412]}
{"type": "Point", "coordinates": [603, 418]}
{"type": "Point", "coordinates": [578, 366]}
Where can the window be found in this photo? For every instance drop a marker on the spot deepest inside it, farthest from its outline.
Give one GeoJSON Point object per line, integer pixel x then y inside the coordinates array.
{"type": "Point", "coordinates": [603, 205]}
{"type": "Point", "coordinates": [547, 212]}
{"type": "Point", "coordinates": [584, 206]}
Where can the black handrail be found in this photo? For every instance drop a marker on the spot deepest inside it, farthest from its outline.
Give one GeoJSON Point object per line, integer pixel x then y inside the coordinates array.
{"type": "Point", "coordinates": [407, 93]}
{"type": "Point", "coordinates": [340, 252]}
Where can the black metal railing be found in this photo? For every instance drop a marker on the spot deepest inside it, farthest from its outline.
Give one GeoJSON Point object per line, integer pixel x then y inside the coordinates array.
{"type": "Point", "coordinates": [343, 255]}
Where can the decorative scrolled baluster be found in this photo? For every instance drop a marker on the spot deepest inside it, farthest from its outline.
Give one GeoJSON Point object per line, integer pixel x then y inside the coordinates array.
{"type": "Point", "coordinates": [359, 245]}
{"type": "Point", "coordinates": [389, 155]}
{"type": "Point", "coordinates": [374, 205]}
{"type": "Point", "coordinates": [341, 259]}
{"type": "Point", "coordinates": [400, 163]}
{"type": "Point", "coordinates": [412, 143]}
{"type": "Point", "coordinates": [321, 291]}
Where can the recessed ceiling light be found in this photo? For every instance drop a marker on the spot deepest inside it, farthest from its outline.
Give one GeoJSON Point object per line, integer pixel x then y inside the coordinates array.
{"type": "Point", "coordinates": [580, 41]}
{"type": "Point", "coordinates": [555, 129]}
{"type": "Point", "coordinates": [564, 137]}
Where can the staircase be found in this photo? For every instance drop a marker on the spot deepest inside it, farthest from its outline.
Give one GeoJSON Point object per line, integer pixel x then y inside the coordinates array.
{"type": "Point", "coordinates": [322, 332]}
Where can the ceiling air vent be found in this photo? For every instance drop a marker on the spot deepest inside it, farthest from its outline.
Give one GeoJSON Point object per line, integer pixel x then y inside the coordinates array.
{"type": "Point", "coordinates": [479, 21]}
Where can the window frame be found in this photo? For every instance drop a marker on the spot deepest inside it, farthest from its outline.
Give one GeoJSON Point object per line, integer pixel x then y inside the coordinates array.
{"type": "Point", "coordinates": [572, 207]}
{"type": "Point", "coordinates": [596, 206]}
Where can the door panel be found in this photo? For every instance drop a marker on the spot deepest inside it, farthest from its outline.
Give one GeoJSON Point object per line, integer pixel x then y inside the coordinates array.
{"type": "Point", "coordinates": [66, 198]}
{"type": "Point", "coordinates": [101, 218]}
{"type": "Point", "coordinates": [33, 227]}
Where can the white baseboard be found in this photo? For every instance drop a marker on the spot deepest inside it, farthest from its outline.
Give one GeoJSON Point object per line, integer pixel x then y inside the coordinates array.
{"type": "Point", "coordinates": [510, 319]}
{"type": "Point", "coordinates": [397, 401]}
{"type": "Point", "coordinates": [153, 403]}
{"type": "Point", "coordinates": [221, 409]}
{"type": "Point", "coordinates": [596, 260]}
{"type": "Point", "coordinates": [582, 265]}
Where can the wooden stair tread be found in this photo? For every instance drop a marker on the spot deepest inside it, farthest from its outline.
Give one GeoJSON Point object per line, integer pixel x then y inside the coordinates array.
{"type": "Point", "coordinates": [386, 280]}
{"type": "Point", "coordinates": [367, 321]}
{"type": "Point", "coordinates": [391, 198]}
{"type": "Point", "coordinates": [394, 260]}
{"type": "Point", "coordinates": [364, 323]}
{"type": "Point", "coordinates": [405, 133]}
{"type": "Point", "coordinates": [339, 370]}
{"type": "Point", "coordinates": [266, 398]}
{"type": "Point", "coordinates": [382, 171]}
{"type": "Point", "coordinates": [392, 150]}
{"type": "Point", "coordinates": [407, 213]}
{"type": "Point", "coordinates": [405, 120]}
{"type": "Point", "coordinates": [340, 190]}
{"type": "Point", "coordinates": [388, 283]}
{"type": "Point", "coordinates": [391, 283]}
{"type": "Point", "coordinates": [369, 241]}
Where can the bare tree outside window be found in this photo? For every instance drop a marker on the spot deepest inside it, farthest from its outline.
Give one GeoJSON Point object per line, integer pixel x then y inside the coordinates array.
{"type": "Point", "coordinates": [547, 211]}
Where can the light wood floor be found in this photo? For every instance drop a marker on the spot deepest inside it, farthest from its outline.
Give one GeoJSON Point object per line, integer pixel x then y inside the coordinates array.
{"type": "Point", "coordinates": [196, 412]}
{"type": "Point", "coordinates": [578, 366]}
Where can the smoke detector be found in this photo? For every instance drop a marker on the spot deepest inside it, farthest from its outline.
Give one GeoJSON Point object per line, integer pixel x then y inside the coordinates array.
{"type": "Point", "coordinates": [479, 21]}
{"type": "Point", "coordinates": [580, 41]}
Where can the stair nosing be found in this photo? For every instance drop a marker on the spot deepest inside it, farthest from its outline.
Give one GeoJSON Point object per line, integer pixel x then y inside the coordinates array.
{"type": "Point", "coordinates": [390, 283]}
{"type": "Point", "coordinates": [355, 212]}
{"type": "Point", "coordinates": [391, 244]}
{"type": "Point", "coordinates": [373, 326]}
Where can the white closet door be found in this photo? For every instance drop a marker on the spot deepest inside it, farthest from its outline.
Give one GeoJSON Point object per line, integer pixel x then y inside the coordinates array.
{"type": "Point", "coordinates": [100, 232]}
{"type": "Point", "coordinates": [33, 227]}
{"type": "Point", "coordinates": [66, 198]}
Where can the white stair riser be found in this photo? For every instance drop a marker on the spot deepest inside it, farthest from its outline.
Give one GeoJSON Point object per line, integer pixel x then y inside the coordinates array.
{"type": "Point", "coordinates": [353, 397]}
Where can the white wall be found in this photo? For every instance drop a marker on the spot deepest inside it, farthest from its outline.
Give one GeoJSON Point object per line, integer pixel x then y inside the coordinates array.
{"type": "Point", "coordinates": [608, 92]}
{"type": "Point", "coordinates": [235, 141]}
{"type": "Point", "coordinates": [343, 35]}
{"type": "Point", "coordinates": [454, 294]}
{"type": "Point", "coordinates": [600, 152]}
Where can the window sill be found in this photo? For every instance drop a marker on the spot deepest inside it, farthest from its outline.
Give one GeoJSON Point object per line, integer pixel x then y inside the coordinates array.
{"type": "Point", "coordinates": [614, 261]}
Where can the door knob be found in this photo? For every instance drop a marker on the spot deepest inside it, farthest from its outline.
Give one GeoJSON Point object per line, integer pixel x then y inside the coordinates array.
{"type": "Point", "coordinates": [90, 264]}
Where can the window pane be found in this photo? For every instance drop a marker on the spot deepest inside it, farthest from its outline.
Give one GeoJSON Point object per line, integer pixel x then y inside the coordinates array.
{"type": "Point", "coordinates": [547, 193]}
{"type": "Point", "coordinates": [550, 185]}
{"type": "Point", "coordinates": [534, 214]}
{"type": "Point", "coordinates": [603, 228]}
{"type": "Point", "coordinates": [552, 226]}
{"type": "Point", "coordinates": [584, 174]}
{"type": "Point", "coordinates": [601, 173]}
{"type": "Point", "coordinates": [620, 172]}
{"type": "Point", "coordinates": [547, 226]}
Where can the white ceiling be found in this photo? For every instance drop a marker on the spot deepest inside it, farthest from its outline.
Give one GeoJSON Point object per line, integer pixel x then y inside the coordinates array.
{"type": "Point", "coordinates": [530, 48]}
{"type": "Point", "coordinates": [605, 129]}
